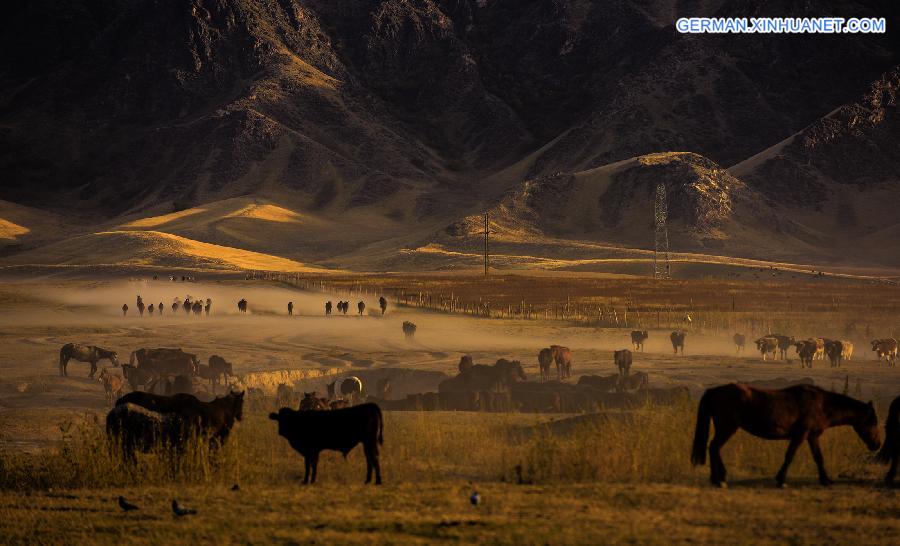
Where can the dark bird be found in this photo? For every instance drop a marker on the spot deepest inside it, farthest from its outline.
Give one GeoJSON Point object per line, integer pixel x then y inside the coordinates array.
{"type": "Point", "coordinates": [179, 511]}
{"type": "Point", "coordinates": [235, 487]}
{"type": "Point", "coordinates": [125, 505]}
{"type": "Point", "coordinates": [475, 499]}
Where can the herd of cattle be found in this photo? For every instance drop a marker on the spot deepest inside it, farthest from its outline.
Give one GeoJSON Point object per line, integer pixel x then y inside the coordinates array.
{"type": "Point", "coordinates": [812, 349]}
{"type": "Point", "coordinates": [777, 344]}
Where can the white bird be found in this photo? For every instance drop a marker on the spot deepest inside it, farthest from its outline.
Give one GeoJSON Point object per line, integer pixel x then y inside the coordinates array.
{"type": "Point", "coordinates": [475, 499]}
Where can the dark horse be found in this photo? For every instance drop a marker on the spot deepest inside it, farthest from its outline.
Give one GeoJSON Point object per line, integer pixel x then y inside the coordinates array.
{"type": "Point", "coordinates": [177, 419]}
{"type": "Point", "coordinates": [798, 413]}
{"type": "Point", "coordinates": [84, 353]}
{"type": "Point", "coordinates": [890, 451]}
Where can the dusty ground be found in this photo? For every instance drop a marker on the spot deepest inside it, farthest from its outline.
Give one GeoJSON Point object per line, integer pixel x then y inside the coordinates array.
{"type": "Point", "coordinates": [37, 318]}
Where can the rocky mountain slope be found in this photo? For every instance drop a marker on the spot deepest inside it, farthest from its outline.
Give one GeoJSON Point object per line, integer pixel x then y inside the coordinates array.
{"type": "Point", "coordinates": [377, 123]}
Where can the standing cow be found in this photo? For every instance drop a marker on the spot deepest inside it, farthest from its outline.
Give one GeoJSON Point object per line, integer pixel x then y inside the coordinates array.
{"type": "Point", "coordinates": [677, 338]}
{"type": "Point", "coordinates": [767, 345]}
{"type": "Point", "coordinates": [311, 432]}
{"type": "Point", "coordinates": [623, 361]}
{"type": "Point", "coordinates": [638, 337]}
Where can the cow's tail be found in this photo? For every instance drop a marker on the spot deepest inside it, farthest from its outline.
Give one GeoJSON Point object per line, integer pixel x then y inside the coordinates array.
{"type": "Point", "coordinates": [701, 431]}
{"type": "Point", "coordinates": [891, 432]}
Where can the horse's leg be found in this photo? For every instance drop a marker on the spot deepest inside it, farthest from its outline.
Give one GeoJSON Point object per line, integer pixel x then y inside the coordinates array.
{"type": "Point", "coordinates": [788, 457]}
{"type": "Point", "coordinates": [93, 369]}
{"type": "Point", "coordinates": [813, 441]}
{"type": "Point", "coordinates": [63, 364]}
{"type": "Point", "coordinates": [306, 466]}
{"type": "Point", "coordinates": [717, 472]}
{"type": "Point", "coordinates": [368, 453]}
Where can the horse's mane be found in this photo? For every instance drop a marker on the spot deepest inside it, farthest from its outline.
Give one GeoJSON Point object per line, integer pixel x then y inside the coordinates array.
{"type": "Point", "coordinates": [842, 402]}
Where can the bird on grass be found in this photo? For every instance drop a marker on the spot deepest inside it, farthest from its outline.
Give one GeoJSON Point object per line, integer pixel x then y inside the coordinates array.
{"type": "Point", "coordinates": [125, 505]}
{"type": "Point", "coordinates": [181, 511]}
{"type": "Point", "coordinates": [475, 499]}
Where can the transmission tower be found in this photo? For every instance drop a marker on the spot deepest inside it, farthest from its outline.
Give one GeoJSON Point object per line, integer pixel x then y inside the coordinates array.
{"type": "Point", "coordinates": [661, 235]}
{"type": "Point", "coordinates": [487, 236]}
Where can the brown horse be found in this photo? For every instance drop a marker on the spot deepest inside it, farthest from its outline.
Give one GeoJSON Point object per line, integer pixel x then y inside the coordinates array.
{"type": "Point", "coordinates": [890, 451]}
{"type": "Point", "coordinates": [545, 360]}
{"type": "Point", "coordinates": [798, 413]}
{"type": "Point", "coordinates": [84, 353]}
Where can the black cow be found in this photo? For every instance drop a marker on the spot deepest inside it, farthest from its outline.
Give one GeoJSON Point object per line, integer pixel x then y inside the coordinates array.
{"type": "Point", "coordinates": [311, 432]}
{"type": "Point", "coordinates": [638, 337]}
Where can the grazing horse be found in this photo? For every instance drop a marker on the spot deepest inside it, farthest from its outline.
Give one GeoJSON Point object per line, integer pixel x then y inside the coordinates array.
{"type": "Point", "coordinates": [382, 303]}
{"type": "Point", "coordinates": [85, 353]}
{"type": "Point", "coordinates": [545, 360]}
{"type": "Point", "coordinates": [563, 358]}
{"type": "Point", "coordinates": [890, 451]}
{"type": "Point", "coordinates": [800, 413]}
{"type": "Point", "coordinates": [638, 337]}
{"type": "Point", "coordinates": [350, 388]}
{"type": "Point", "coordinates": [739, 341]}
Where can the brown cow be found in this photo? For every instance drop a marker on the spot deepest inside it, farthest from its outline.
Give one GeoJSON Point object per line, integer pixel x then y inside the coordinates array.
{"type": "Point", "coordinates": [885, 349]}
{"type": "Point", "coordinates": [847, 349]}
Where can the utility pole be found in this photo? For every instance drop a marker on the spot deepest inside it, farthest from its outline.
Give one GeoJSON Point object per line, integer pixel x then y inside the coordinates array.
{"type": "Point", "coordinates": [661, 234]}
{"type": "Point", "coordinates": [487, 236]}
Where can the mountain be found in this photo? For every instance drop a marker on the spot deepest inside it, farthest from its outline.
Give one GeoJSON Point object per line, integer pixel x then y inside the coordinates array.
{"type": "Point", "coordinates": [368, 126]}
